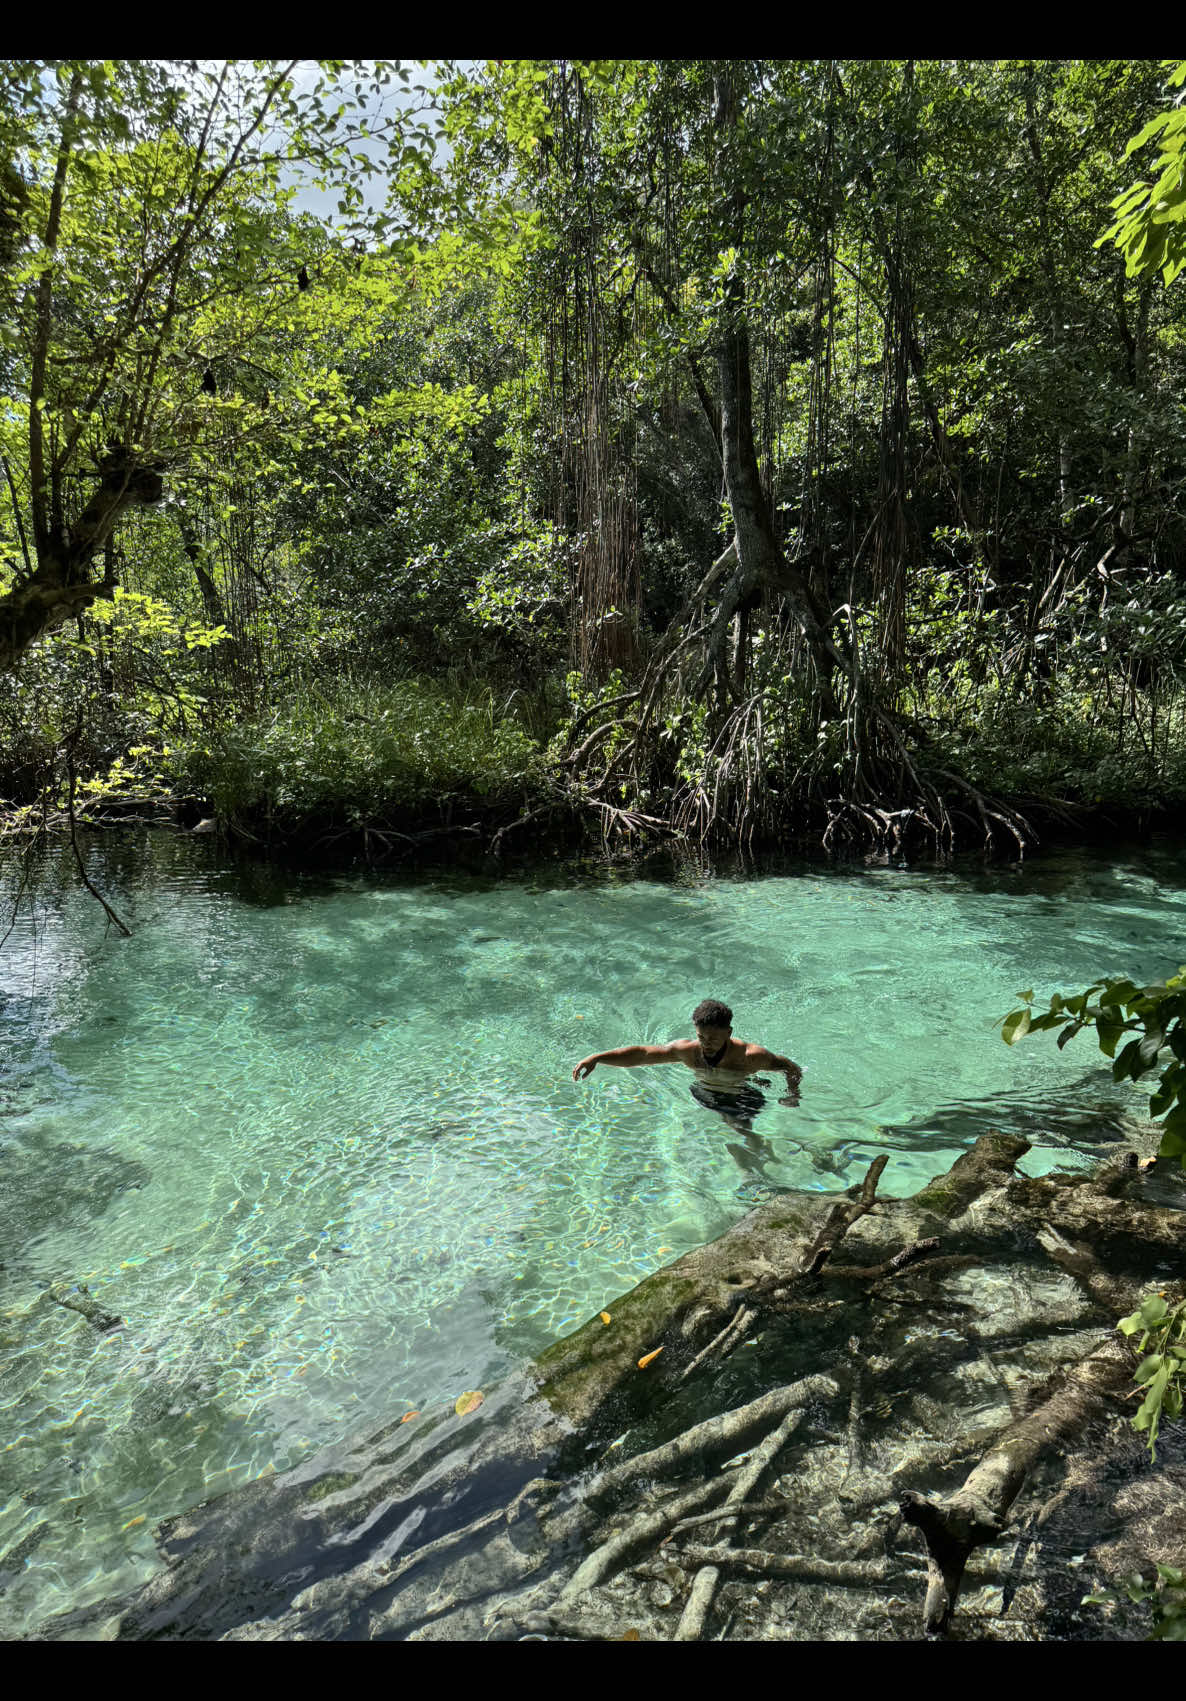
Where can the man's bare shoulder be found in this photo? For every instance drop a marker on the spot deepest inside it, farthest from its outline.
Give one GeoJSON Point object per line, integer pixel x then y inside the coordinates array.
{"type": "Point", "coordinates": [683, 1051]}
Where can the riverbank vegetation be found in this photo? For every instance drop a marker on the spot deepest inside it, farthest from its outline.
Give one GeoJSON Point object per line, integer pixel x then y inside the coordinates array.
{"type": "Point", "coordinates": [740, 450]}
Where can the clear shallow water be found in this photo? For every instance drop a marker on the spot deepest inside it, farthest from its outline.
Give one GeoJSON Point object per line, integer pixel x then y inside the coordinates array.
{"type": "Point", "coordinates": [317, 1141]}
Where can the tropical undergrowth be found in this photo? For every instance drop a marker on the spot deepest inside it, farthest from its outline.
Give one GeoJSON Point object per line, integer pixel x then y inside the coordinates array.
{"type": "Point", "coordinates": [348, 754]}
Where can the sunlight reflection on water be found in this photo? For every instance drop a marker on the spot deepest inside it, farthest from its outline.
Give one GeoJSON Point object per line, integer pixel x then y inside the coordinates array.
{"type": "Point", "coordinates": [317, 1142]}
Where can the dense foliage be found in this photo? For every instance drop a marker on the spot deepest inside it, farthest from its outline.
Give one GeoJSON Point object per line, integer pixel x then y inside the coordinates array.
{"type": "Point", "coordinates": [740, 445]}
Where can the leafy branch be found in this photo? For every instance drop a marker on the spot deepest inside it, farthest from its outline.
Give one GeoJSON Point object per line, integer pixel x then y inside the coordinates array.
{"type": "Point", "coordinates": [1115, 1007]}
{"type": "Point", "coordinates": [1155, 1015]}
{"type": "Point", "coordinates": [1167, 1594]}
{"type": "Point", "coordinates": [1160, 1372]}
{"type": "Point", "coordinates": [1149, 228]}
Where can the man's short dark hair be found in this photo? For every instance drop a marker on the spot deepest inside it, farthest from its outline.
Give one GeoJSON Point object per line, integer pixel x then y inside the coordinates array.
{"type": "Point", "coordinates": [711, 1013]}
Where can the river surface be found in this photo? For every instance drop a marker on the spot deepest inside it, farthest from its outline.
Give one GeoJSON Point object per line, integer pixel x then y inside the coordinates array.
{"type": "Point", "coordinates": [316, 1140]}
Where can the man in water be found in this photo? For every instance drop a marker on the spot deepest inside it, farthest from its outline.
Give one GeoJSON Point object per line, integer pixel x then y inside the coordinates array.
{"type": "Point", "coordinates": [723, 1067]}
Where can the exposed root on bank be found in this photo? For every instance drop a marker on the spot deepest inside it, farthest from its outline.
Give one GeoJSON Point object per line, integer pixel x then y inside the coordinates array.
{"type": "Point", "coordinates": [859, 785]}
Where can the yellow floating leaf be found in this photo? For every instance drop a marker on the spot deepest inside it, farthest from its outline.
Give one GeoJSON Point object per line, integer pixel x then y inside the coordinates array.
{"type": "Point", "coordinates": [468, 1402]}
{"type": "Point", "coordinates": [647, 1357]}
{"type": "Point", "coordinates": [604, 1315]}
{"type": "Point", "coordinates": [408, 1416]}
{"type": "Point", "coordinates": [631, 1636]}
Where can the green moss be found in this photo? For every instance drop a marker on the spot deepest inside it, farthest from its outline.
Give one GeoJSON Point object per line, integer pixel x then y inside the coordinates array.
{"type": "Point", "coordinates": [579, 1372]}
{"type": "Point", "coordinates": [325, 1486]}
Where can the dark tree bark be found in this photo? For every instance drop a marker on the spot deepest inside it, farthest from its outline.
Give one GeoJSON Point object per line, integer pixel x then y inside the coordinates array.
{"type": "Point", "coordinates": [62, 584]}
{"type": "Point", "coordinates": [761, 564]}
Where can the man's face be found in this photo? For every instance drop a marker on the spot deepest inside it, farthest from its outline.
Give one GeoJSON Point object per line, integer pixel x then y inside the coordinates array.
{"type": "Point", "coordinates": [712, 1039]}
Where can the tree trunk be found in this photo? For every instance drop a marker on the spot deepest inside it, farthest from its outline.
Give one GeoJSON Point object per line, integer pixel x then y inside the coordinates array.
{"type": "Point", "coordinates": [761, 564]}
{"type": "Point", "coordinates": [61, 586]}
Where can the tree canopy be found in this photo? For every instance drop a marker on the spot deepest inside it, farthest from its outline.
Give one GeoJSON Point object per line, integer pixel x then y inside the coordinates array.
{"type": "Point", "coordinates": [763, 442]}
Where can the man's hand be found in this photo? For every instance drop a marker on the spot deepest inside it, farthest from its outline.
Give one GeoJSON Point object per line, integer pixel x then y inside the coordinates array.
{"type": "Point", "coordinates": [584, 1069]}
{"type": "Point", "coordinates": [794, 1075]}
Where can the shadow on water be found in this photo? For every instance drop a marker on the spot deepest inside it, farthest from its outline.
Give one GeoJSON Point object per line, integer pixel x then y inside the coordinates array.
{"type": "Point", "coordinates": [59, 1185]}
{"type": "Point", "coordinates": [1079, 1117]}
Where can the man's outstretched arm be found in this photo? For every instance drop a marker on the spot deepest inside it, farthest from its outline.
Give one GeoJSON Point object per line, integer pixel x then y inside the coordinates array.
{"type": "Point", "coordinates": [784, 1065]}
{"type": "Point", "coordinates": [627, 1057]}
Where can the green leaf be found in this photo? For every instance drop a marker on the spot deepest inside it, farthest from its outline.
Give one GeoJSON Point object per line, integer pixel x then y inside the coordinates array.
{"type": "Point", "coordinates": [1151, 1045]}
{"type": "Point", "coordinates": [1049, 1020]}
{"type": "Point", "coordinates": [1173, 1135]}
{"type": "Point", "coordinates": [1128, 1063]}
{"type": "Point", "coordinates": [1016, 1026]}
{"type": "Point", "coordinates": [1109, 1032]}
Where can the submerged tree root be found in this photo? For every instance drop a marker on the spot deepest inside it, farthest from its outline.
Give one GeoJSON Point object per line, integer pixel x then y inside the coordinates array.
{"type": "Point", "coordinates": [691, 1624]}
{"type": "Point", "coordinates": [80, 1300]}
{"type": "Point", "coordinates": [976, 1513]}
{"type": "Point", "coordinates": [464, 1529]}
{"type": "Point", "coordinates": [731, 1432]}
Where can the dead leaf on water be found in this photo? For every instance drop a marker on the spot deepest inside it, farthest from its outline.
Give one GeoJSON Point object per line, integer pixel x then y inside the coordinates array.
{"type": "Point", "coordinates": [631, 1636]}
{"type": "Point", "coordinates": [468, 1402]}
{"type": "Point", "coordinates": [647, 1357]}
{"type": "Point", "coordinates": [604, 1315]}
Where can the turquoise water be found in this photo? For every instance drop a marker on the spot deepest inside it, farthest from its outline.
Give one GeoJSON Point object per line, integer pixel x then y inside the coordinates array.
{"type": "Point", "coordinates": [318, 1143]}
